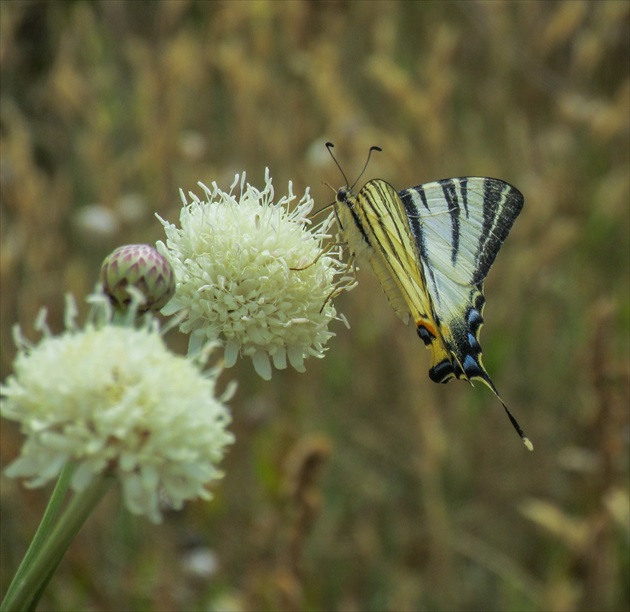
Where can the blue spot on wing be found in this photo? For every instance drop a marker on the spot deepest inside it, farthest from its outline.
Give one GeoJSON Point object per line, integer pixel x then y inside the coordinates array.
{"type": "Point", "coordinates": [469, 363]}
{"type": "Point", "coordinates": [474, 319]}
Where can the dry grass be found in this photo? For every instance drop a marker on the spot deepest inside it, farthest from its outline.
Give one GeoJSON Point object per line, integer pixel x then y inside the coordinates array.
{"type": "Point", "coordinates": [361, 484]}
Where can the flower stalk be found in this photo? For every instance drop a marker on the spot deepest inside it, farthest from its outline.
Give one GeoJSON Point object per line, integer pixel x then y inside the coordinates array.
{"type": "Point", "coordinates": [38, 567]}
{"type": "Point", "coordinates": [43, 531]}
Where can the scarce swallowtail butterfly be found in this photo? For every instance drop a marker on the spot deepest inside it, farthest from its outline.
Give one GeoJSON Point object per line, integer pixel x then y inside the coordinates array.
{"type": "Point", "coordinates": [431, 247]}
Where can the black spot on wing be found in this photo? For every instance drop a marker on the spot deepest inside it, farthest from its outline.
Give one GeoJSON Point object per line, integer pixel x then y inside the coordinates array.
{"type": "Point", "coordinates": [425, 335]}
{"type": "Point", "coordinates": [442, 372]}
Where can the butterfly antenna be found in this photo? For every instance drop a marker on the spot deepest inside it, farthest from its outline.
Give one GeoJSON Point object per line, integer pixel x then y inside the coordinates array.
{"type": "Point", "coordinates": [323, 209]}
{"type": "Point", "coordinates": [330, 146]}
{"type": "Point", "coordinates": [367, 161]}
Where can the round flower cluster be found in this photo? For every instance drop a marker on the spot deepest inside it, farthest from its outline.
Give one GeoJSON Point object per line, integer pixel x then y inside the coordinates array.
{"type": "Point", "coordinates": [252, 274]}
{"type": "Point", "coordinates": [111, 398]}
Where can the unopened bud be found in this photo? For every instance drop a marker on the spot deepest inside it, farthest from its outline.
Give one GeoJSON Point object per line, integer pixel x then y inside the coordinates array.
{"type": "Point", "coordinates": [142, 267]}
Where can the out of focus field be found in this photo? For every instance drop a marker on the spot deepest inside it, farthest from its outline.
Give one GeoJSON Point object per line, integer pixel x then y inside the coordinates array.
{"type": "Point", "coordinates": [359, 485]}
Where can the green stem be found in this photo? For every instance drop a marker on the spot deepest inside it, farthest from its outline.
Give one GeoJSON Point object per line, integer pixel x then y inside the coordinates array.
{"type": "Point", "coordinates": [45, 526]}
{"type": "Point", "coordinates": [26, 592]}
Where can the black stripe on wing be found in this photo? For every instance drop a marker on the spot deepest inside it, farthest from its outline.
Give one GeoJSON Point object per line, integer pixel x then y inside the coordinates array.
{"type": "Point", "coordinates": [501, 205]}
{"type": "Point", "coordinates": [449, 188]}
{"type": "Point", "coordinates": [372, 202]}
{"type": "Point", "coordinates": [417, 227]}
{"type": "Point", "coordinates": [345, 197]}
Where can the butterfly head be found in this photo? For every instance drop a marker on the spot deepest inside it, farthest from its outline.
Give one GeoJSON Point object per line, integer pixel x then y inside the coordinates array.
{"type": "Point", "coordinates": [346, 196]}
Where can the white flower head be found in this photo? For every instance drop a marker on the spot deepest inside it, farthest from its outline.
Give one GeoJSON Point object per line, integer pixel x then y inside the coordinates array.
{"type": "Point", "coordinates": [253, 274]}
{"type": "Point", "coordinates": [114, 398]}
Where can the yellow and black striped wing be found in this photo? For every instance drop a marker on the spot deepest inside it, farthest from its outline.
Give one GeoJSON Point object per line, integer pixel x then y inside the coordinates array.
{"type": "Point", "coordinates": [376, 228]}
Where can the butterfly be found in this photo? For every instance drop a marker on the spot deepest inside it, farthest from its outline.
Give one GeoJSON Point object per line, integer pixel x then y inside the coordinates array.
{"type": "Point", "coordinates": [431, 247]}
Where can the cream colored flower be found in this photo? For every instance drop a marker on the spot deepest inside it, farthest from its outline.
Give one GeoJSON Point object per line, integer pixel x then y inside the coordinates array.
{"type": "Point", "coordinates": [253, 274]}
{"type": "Point", "coordinates": [115, 398]}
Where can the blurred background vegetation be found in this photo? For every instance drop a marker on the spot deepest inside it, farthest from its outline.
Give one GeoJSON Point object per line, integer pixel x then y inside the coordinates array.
{"type": "Point", "coordinates": [360, 485]}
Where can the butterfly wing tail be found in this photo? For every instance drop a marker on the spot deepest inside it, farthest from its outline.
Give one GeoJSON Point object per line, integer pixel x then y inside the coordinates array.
{"type": "Point", "coordinates": [472, 369]}
{"type": "Point", "coordinates": [488, 382]}
{"type": "Point", "coordinates": [458, 355]}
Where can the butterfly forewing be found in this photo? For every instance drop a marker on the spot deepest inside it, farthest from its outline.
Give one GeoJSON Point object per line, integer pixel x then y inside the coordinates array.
{"type": "Point", "coordinates": [375, 226]}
